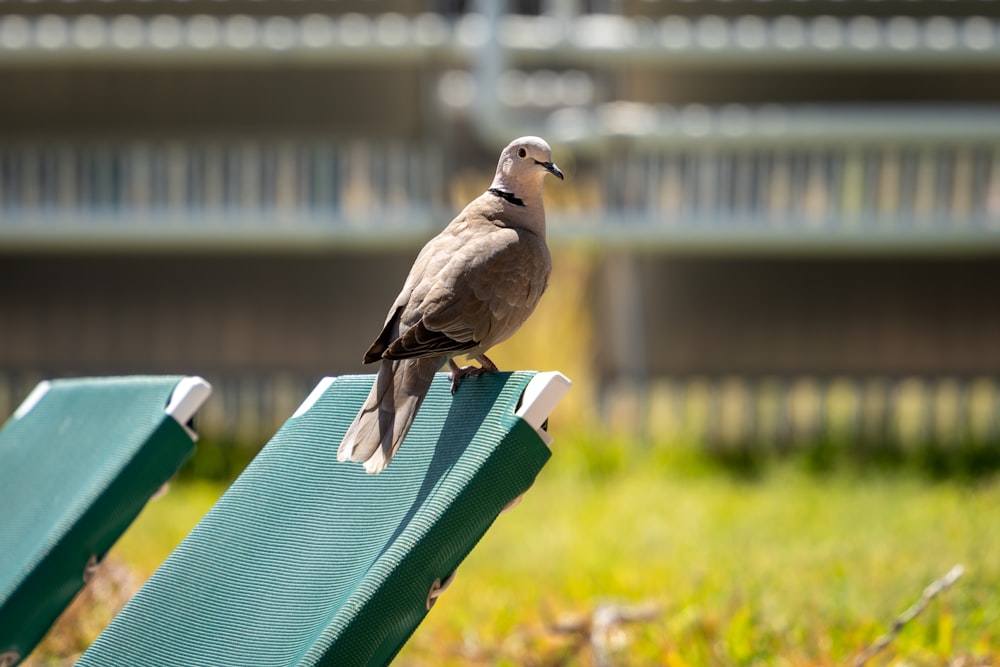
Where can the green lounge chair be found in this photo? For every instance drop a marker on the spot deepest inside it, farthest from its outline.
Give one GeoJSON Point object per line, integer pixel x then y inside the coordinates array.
{"type": "Point", "coordinates": [307, 561]}
{"type": "Point", "coordinates": [78, 461]}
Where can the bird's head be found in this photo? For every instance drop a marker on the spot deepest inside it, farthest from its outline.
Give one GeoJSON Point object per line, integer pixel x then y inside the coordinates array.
{"type": "Point", "coordinates": [526, 161]}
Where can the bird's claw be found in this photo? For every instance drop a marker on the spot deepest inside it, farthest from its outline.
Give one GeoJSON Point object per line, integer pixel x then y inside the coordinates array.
{"type": "Point", "coordinates": [460, 372]}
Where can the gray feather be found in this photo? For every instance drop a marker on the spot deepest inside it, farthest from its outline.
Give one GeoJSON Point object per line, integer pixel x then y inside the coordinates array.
{"type": "Point", "coordinates": [383, 422]}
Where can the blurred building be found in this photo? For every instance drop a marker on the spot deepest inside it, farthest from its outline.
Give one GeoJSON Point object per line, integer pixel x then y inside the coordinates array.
{"type": "Point", "coordinates": [791, 200]}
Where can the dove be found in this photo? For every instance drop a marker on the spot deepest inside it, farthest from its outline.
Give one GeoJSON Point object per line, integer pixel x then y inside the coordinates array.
{"type": "Point", "coordinates": [471, 287]}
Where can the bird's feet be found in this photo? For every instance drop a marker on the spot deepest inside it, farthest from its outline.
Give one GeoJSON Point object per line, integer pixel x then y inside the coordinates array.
{"type": "Point", "coordinates": [459, 372]}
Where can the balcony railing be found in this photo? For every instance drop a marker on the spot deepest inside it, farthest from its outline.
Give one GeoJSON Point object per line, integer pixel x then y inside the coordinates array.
{"type": "Point", "coordinates": [837, 195]}
{"type": "Point", "coordinates": [750, 40]}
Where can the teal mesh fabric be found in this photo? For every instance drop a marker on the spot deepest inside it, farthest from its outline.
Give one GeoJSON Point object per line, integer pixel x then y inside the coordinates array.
{"type": "Point", "coordinates": [307, 561]}
{"type": "Point", "coordinates": [74, 472]}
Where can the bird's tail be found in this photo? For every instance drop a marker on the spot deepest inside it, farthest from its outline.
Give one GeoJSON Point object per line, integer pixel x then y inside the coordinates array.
{"type": "Point", "coordinates": [385, 418]}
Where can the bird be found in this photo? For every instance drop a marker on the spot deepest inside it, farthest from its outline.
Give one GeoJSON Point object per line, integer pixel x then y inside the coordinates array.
{"type": "Point", "coordinates": [470, 288]}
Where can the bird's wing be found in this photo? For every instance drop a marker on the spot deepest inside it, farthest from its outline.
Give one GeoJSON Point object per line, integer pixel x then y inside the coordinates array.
{"type": "Point", "coordinates": [405, 315]}
{"type": "Point", "coordinates": [401, 309]}
{"type": "Point", "coordinates": [471, 285]}
{"type": "Point", "coordinates": [481, 295]}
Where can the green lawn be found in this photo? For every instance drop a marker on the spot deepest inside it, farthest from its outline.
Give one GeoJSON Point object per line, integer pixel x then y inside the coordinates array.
{"type": "Point", "coordinates": [793, 566]}
{"type": "Point", "coordinates": [789, 568]}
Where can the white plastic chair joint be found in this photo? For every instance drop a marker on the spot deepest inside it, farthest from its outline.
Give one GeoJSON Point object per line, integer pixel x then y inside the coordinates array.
{"type": "Point", "coordinates": [187, 398]}
{"type": "Point", "coordinates": [313, 396]}
{"type": "Point", "coordinates": [90, 569]}
{"type": "Point", "coordinates": [540, 398]}
{"type": "Point", "coordinates": [27, 404]}
{"type": "Point", "coordinates": [437, 588]}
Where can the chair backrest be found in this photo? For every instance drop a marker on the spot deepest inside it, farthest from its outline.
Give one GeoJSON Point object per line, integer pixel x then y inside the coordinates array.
{"type": "Point", "coordinates": [307, 561]}
{"type": "Point", "coordinates": [78, 461]}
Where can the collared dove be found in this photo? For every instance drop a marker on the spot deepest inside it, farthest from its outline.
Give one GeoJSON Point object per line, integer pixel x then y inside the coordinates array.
{"type": "Point", "coordinates": [471, 287]}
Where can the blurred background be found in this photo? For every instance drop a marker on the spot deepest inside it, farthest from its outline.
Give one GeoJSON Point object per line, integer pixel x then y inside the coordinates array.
{"type": "Point", "coordinates": [779, 231]}
{"type": "Point", "coordinates": [778, 205]}
{"type": "Point", "coordinates": [772, 205]}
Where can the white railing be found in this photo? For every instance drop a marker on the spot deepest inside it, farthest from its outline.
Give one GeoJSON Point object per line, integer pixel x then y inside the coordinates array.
{"type": "Point", "coordinates": [787, 40]}
{"type": "Point", "coordinates": [925, 194]}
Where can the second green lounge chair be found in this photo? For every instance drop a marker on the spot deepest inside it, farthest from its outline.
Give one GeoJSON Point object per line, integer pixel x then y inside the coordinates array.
{"type": "Point", "coordinates": [78, 461]}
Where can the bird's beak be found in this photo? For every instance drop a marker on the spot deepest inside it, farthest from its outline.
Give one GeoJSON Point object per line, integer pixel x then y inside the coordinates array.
{"type": "Point", "coordinates": [552, 169]}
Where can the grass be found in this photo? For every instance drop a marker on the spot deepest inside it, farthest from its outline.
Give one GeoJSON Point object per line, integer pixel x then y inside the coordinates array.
{"type": "Point", "coordinates": [789, 568]}
{"type": "Point", "coordinates": [784, 567]}
{"type": "Point", "coordinates": [164, 523]}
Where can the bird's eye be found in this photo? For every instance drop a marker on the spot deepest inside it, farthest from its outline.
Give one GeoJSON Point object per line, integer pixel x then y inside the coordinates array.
{"type": "Point", "coordinates": [521, 152]}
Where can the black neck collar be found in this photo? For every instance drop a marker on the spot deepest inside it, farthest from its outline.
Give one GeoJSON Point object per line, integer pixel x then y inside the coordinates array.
{"type": "Point", "coordinates": [507, 196]}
